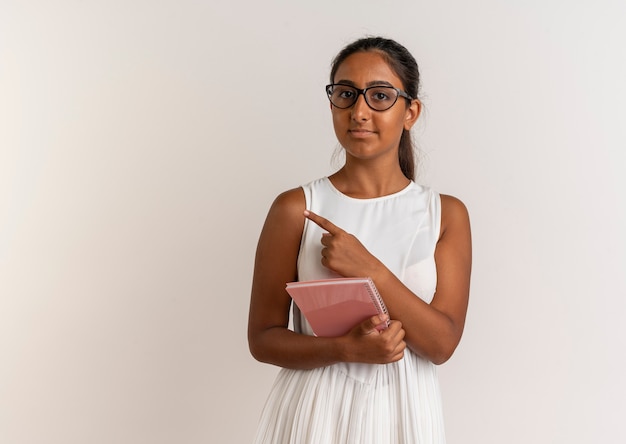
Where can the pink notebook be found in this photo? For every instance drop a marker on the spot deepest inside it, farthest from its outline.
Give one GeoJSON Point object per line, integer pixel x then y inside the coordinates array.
{"type": "Point", "coordinates": [333, 307]}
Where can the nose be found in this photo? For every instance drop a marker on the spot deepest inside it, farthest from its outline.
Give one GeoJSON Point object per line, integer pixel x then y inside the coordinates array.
{"type": "Point", "coordinates": [360, 110]}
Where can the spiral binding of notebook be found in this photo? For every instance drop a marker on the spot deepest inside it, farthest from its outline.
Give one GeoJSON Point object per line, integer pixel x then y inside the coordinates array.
{"type": "Point", "coordinates": [375, 295]}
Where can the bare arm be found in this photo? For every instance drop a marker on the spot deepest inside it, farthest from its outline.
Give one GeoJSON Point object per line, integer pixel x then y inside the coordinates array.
{"type": "Point", "coordinates": [269, 338]}
{"type": "Point", "coordinates": [432, 330]}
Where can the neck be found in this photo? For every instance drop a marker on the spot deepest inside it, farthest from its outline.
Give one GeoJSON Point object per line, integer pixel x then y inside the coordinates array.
{"type": "Point", "coordinates": [367, 183]}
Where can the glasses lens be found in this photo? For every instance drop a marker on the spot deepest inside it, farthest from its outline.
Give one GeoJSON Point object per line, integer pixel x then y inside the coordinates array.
{"type": "Point", "coordinates": [381, 98]}
{"type": "Point", "coordinates": [342, 96]}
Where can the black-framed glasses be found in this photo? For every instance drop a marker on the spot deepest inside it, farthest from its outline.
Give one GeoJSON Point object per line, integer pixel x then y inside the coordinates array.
{"type": "Point", "coordinates": [379, 98]}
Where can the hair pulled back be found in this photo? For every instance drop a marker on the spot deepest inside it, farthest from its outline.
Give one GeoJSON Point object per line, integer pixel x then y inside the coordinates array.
{"type": "Point", "coordinates": [405, 67]}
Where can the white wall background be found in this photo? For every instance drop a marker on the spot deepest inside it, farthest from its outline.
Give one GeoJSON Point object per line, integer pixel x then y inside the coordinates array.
{"type": "Point", "coordinates": [142, 142]}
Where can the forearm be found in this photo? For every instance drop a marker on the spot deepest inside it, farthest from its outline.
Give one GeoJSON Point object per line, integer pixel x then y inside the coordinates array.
{"type": "Point", "coordinates": [285, 348]}
{"type": "Point", "coordinates": [430, 333]}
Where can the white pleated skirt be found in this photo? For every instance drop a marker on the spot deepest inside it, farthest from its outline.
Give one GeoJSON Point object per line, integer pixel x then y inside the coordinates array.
{"type": "Point", "coordinates": [351, 403]}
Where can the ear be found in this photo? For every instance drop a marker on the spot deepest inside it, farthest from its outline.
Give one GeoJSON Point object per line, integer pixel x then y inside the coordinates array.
{"type": "Point", "coordinates": [412, 114]}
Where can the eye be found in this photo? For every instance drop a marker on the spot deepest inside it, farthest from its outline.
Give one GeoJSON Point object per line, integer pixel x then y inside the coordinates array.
{"type": "Point", "coordinates": [344, 93]}
{"type": "Point", "coordinates": [380, 94]}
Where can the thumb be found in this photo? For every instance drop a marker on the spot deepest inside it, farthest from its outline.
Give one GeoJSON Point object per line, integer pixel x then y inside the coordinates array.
{"type": "Point", "coordinates": [375, 323]}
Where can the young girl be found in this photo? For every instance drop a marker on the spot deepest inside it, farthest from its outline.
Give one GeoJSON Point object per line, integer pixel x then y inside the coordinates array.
{"type": "Point", "coordinates": [368, 219]}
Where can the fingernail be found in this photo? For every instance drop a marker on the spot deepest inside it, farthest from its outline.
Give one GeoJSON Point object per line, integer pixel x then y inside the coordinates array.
{"type": "Point", "coordinates": [306, 213]}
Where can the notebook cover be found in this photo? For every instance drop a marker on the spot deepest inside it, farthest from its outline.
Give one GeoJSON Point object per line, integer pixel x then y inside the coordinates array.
{"type": "Point", "coordinates": [333, 307]}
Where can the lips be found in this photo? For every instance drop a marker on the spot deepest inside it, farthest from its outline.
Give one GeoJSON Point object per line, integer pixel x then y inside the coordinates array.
{"type": "Point", "coordinates": [360, 132]}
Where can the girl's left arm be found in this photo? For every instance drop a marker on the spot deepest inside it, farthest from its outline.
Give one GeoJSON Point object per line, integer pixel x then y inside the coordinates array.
{"type": "Point", "coordinates": [433, 330]}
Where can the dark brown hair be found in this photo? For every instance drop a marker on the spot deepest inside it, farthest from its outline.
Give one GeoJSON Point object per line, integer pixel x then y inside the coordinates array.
{"type": "Point", "coordinates": [405, 67]}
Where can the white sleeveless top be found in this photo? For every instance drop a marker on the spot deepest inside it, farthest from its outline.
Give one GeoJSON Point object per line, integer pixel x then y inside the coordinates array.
{"type": "Point", "coordinates": [360, 403]}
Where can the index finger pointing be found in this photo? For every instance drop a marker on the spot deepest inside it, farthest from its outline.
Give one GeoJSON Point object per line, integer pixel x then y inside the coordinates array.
{"type": "Point", "coordinates": [322, 222]}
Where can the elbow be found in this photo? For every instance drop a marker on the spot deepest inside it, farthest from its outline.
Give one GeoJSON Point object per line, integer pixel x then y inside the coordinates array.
{"type": "Point", "coordinates": [442, 350]}
{"type": "Point", "coordinates": [256, 350]}
{"type": "Point", "coordinates": [437, 354]}
{"type": "Point", "coordinates": [441, 357]}
{"type": "Point", "coordinates": [259, 344]}
{"type": "Point", "coordinates": [445, 344]}
{"type": "Point", "coordinates": [261, 355]}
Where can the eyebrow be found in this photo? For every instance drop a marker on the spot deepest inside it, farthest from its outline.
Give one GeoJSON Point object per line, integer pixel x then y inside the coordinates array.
{"type": "Point", "coordinates": [367, 85]}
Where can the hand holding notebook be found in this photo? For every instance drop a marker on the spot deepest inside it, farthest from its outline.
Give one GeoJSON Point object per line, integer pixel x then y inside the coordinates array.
{"type": "Point", "coordinates": [334, 306]}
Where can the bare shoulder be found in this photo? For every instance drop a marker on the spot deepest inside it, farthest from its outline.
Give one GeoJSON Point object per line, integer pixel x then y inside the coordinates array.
{"type": "Point", "coordinates": [454, 214]}
{"type": "Point", "coordinates": [295, 196]}
{"type": "Point", "coordinates": [285, 219]}
{"type": "Point", "coordinates": [288, 204]}
{"type": "Point", "coordinates": [451, 205]}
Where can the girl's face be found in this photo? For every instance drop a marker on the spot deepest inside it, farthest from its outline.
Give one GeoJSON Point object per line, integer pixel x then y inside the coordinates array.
{"type": "Point", "coordinates": [363, 132]}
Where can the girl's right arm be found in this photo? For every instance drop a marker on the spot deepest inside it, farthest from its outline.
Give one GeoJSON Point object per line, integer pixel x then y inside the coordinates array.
{"type": "Point", "coordinates": [269, 337]}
